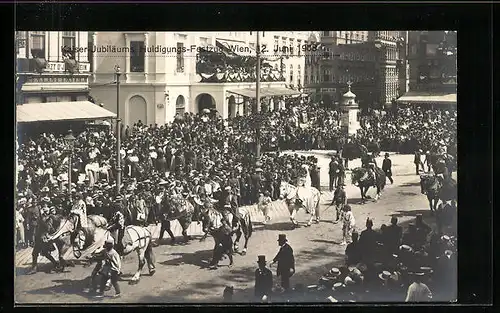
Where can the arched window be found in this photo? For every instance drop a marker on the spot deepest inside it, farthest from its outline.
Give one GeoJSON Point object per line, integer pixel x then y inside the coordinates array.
{"type": "Point", "coordinates": [180, 105]}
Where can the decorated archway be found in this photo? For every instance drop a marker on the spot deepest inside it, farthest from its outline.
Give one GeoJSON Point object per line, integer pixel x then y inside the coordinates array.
{"type": "Point", "coordinates": [137, 110]}
{"type": "Point", "coordinates": [180, 105]}
{"type": "Point", "coordinates": [231, 107]}
{"type": "Point", "coordinates": [205, 101]}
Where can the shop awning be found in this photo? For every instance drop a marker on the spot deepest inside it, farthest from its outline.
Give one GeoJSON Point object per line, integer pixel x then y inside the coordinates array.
{"type": "Point", "coordinates": [427, 97]}
{"type": "Point", "coordinates": [61, 111]}
{"type": "Point", "coordinates": [265, 92]}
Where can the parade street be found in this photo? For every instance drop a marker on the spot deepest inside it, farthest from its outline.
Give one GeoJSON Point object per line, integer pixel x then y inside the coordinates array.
{"type": "Point", "coordinates": [181, 273]}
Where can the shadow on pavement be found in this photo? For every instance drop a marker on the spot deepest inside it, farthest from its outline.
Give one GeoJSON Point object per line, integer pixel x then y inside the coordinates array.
{"type": "Point", "coordinates": [413, 213]}
{"type": "Point", "coordinates": [195, 258]}
{"type": "Point", "coordinates": [281, 226]}
{"type": "Point", "coordinates": [417, 184]}
{"type": "Point", "coordinates": [408, 194]}
{"type": "Point", "coordinates": [64, 286]}
{"type": "Point", "coordinates": [325, 241]}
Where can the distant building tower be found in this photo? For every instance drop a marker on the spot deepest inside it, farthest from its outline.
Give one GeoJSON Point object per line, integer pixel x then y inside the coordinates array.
{"type": "Point", "coordinates": [350, 112]}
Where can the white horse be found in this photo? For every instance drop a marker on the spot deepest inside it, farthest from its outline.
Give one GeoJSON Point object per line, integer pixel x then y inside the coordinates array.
{"type": "Point", "coordinates": [301, 197]}
{"type": "Point", "coordinates": [139, 239]}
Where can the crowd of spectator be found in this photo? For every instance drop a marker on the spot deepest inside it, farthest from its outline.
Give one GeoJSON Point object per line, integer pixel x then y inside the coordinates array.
{"type": "Point", "coordinates": [203, 150]}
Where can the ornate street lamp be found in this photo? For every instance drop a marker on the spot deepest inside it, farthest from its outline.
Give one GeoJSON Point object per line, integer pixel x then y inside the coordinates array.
{"type": "Point", "coordinates": [118, 132]}
{"type": "Point", "coordinates": [69, 140]}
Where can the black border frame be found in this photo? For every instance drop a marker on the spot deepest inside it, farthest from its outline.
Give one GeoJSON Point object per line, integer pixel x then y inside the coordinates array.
{"type": "Point", "coordinates": [474, 23]}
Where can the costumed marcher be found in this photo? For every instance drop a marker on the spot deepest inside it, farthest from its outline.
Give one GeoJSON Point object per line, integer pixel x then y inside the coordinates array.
{"type": "Point", "coordinates": [348, 224]}
{"type": "Point", "coordinates": [111, 269]}
{"type": "Point", "coordinates": [339, 200]}
{"type": "Point", "coordinates": [117, 228]}
{"type": "Point", "coordinates": [332, 172]}
{"type": "Point", "coordinates": [264, 204]}
{"type": "Point", "coordinates": [80, 209]}
{"type": "Point", "coordinates": [417, 160]}
{"type": "Point", "coordinates": [286, 262]}
{"type": "Point", "coordinates": [263, 279]}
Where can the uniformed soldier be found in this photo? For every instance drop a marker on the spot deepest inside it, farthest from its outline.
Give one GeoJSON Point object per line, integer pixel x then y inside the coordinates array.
{"type": "Point", "coordinates": [263, 279]}
{"type": "Point", "coordinates": [339, 200]}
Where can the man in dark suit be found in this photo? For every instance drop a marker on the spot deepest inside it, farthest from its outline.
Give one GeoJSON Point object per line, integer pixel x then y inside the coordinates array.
{"type": "Point", "coordinates": [263, 279]}
{"type": "Point", "coordinates": [332, 172]}
{"type": "Point", "coordinates": [386, 167]}
{"type": "Point", "coordinates": [394, 235]}
{"type": "Point", "coordinates": [315, 179]}
{"type": "Point", "coordinates": [286, 262]}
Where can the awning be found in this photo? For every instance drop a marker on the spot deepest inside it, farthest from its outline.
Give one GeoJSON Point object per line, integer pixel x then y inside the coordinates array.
{"type": "Point", "coordinates": [61, 111]}
{"type": "Point", "coordinates": [428, 97]}
{"type": "Point", "coordinates": [265, 92]}
{"type": "Point", "coordinates": [236, 47]}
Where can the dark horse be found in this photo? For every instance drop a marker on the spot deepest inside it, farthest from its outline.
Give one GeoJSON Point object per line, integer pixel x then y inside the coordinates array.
{"type": "Point", "coordinates": [212, 218]}
{"type": "Point", "coordinates": [44, 245]}
{"type": "Point", "coordinates": [361, 177]}
{"type": "Point", "coordinates": [436, 190]}
{"type": "Point", "coordinates": [176, 208]}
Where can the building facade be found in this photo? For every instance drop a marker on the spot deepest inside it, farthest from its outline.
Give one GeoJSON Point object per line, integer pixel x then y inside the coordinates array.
{"type": "Point", "coordinates": [51, 67]}
{"type": "Point", "coordinates": [181, 72]}
{"type": "Point", "coordinates": [373, 61]}
{"type": "Point", "coordinates": [433, 61]}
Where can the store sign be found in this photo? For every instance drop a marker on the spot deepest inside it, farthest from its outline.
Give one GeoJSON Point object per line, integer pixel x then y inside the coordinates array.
{"type": "Point", "coordinates": [57, 79]}
{"type": "Point", "coordinates": [59, 67]}
{"type": "Point", "coordinates": [328, 89]}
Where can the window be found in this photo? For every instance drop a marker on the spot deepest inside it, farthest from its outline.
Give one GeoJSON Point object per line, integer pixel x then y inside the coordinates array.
{"type": "Point", "coordinates": [69, 44]}
{"type": "Point", "coordinates": [137, 55]}
{"type": "Point", "coordinates": [37, 44]}
{"type": "Point", "coordinates": [180, 57]}
{"type": "Point", "coordinates": [275, 43]}
{"type": "Point", "coordinates": [291, 74]}
{"type": "Point", "coordinates": [298, 74]}
{"type": "Point", "coordinates": [326, 34]}
{"type": "Point", "coordinates": [283, 45]}
{"type": "Point", "coordinates": [251, 33]}
{"type": "Point", "coordinates": [326, 75]}
{"type": "Point", "coordinates": [299, 47]}
{"type": "Point", "coordinates": [291, 46]}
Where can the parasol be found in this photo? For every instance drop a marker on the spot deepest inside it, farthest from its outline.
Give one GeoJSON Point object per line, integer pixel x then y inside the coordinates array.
{"type": "Point", "coordinates": [206, 111]}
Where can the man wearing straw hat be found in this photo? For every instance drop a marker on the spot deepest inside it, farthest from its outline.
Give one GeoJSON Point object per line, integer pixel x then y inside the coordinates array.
{"type": "Point", "coordinates": [263, 279]}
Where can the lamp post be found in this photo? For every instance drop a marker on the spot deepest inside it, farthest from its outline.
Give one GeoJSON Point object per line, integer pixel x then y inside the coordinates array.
{"type": "Point", "coordinates": [118, 132]}
{"type": "Point", "coordinates": [69, 139]}
{"type": "Point", "coordinates": [257, 97]}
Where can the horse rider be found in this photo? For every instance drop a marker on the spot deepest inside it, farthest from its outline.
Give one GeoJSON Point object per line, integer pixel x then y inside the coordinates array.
{"type": "Point", "coordinates": [117, 227]}
{"type": "Point", "coordinates": [80, 209]}
{"type": "Point", "coordinates": [339, 200]}
{"type": "Point", "coordinates": [442, 172]}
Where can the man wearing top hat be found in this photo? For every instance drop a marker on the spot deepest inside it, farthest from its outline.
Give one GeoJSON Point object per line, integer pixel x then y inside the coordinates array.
{"type": "Point", "coordinates": [286, 262]}
{"type": "Point", "coordinates": [263, 279]}
{"type": "Point", "coordinates": [387, 167]}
